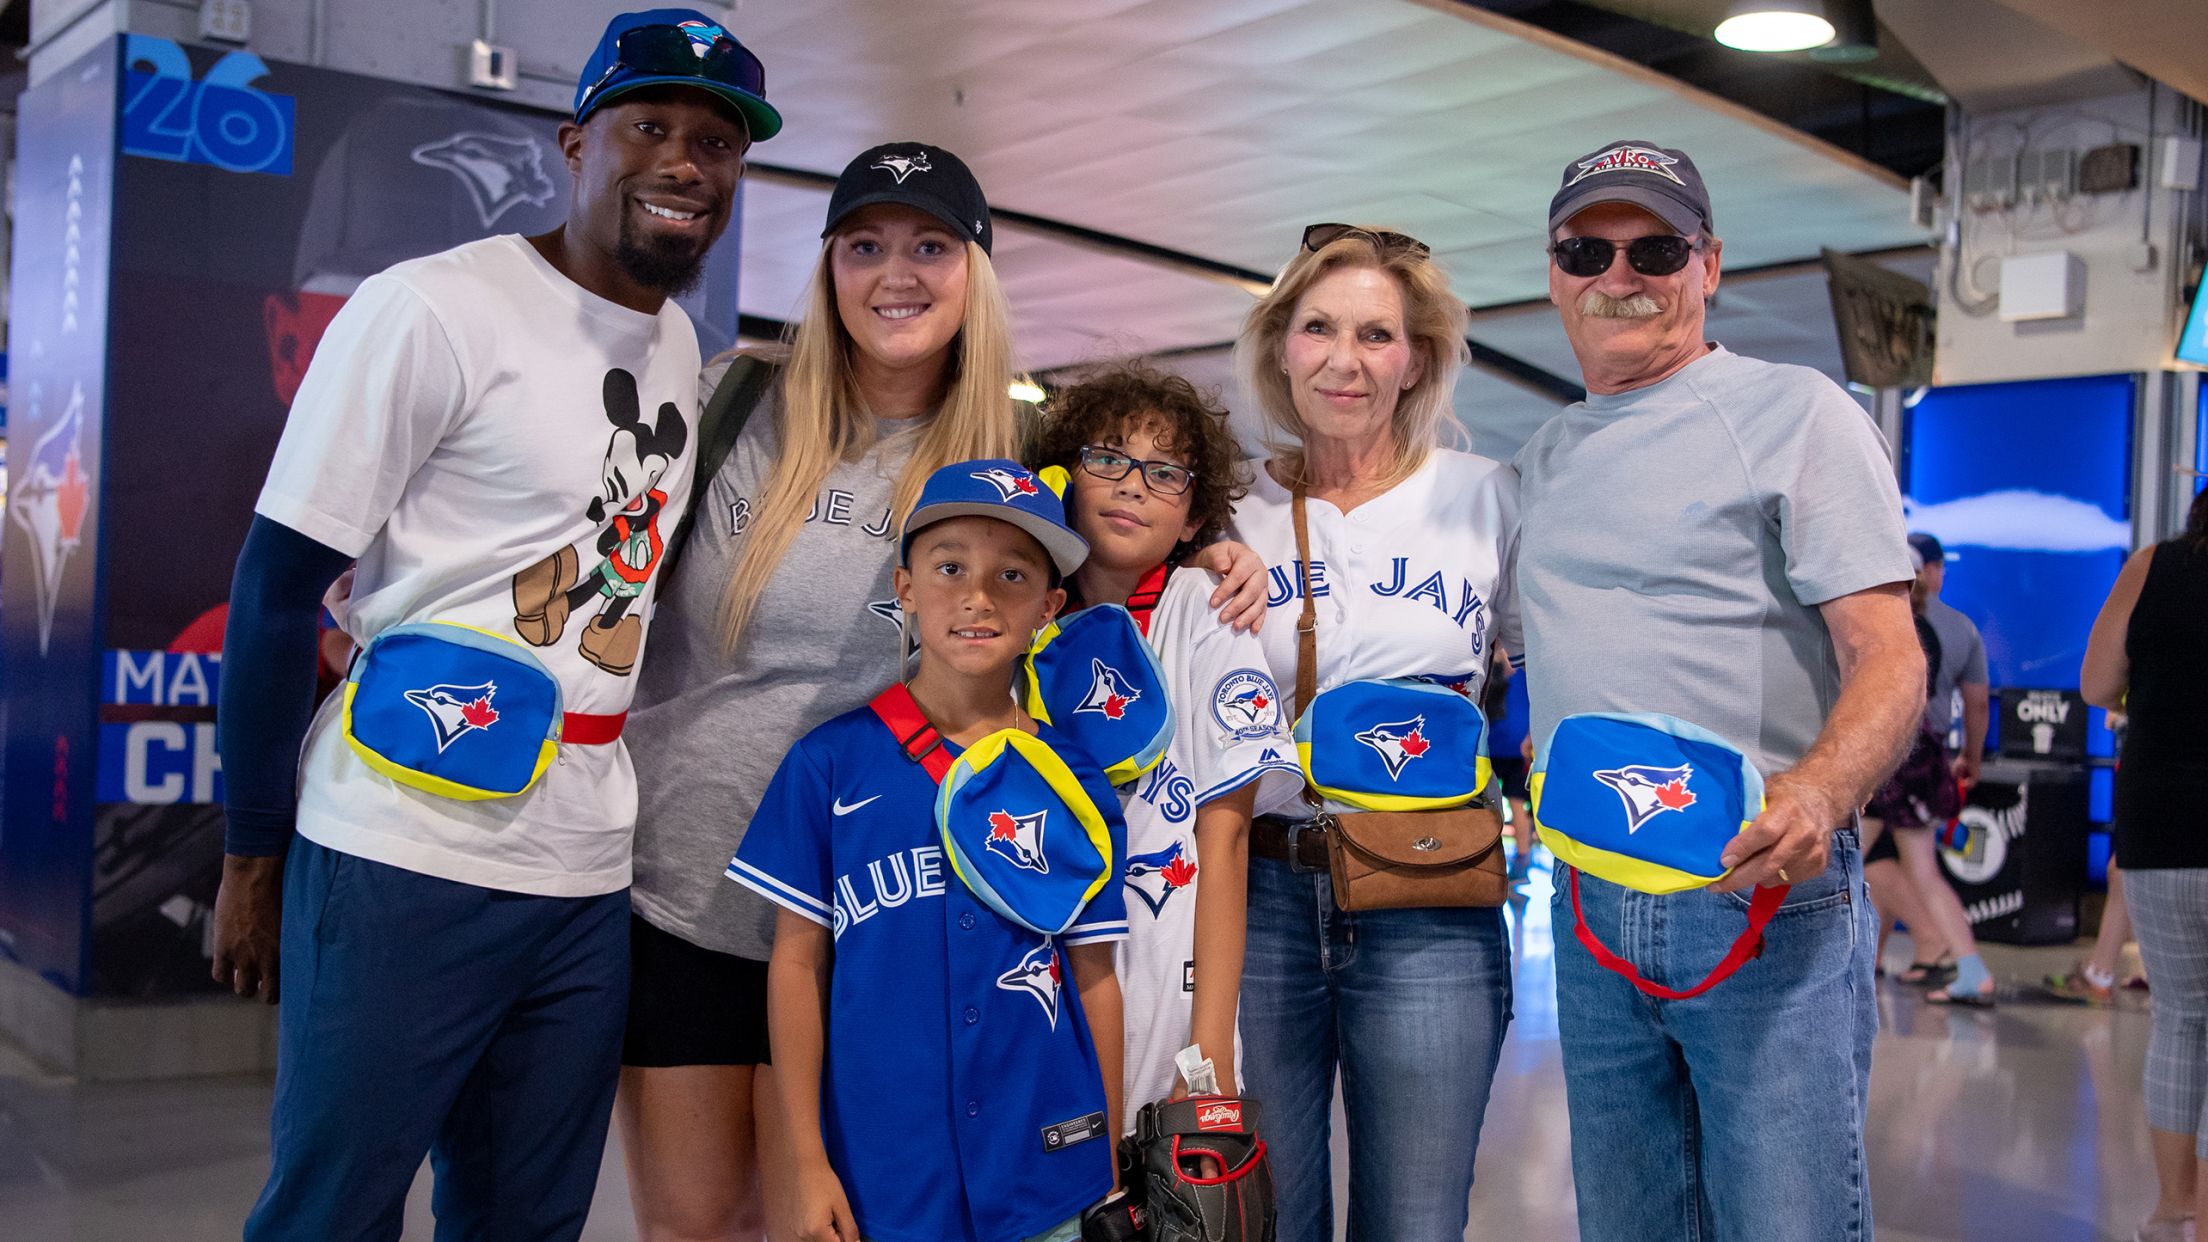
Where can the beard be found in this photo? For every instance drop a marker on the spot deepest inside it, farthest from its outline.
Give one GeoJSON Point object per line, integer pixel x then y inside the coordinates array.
{"type": "Point", "coordinates": [1600, 305]}
{"type": "Point", "coordinates": [667, 266]}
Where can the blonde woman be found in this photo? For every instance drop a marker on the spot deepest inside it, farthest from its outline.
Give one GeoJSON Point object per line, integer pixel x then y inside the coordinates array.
{"type": "Point", "coordinates": [780, 615]}
{"type": "Point", "coordinates": [1352, 358]}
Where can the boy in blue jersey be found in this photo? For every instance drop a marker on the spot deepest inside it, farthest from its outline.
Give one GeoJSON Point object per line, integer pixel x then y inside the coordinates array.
{"type": "Point", "coordinates": [939, 1080]}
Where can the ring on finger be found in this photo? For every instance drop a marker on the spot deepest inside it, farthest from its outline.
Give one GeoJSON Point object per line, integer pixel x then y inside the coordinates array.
{"type": "Point", "coordinates": [1784, 878]}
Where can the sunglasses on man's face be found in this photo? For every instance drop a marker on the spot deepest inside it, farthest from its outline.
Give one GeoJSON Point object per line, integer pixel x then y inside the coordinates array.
{"type": "Point", "coordinates": [1661, 255]}
{"type": "Point", "coordinates": [670, 51]}
{"type": "Point", "coordinates": [1319, 236]}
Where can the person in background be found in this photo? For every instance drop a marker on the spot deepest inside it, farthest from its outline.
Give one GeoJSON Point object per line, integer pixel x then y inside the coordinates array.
{"type": "Point", "coordinates": [1961, 673]}
{"type": "Point", "coordinates": [1718, 539]}
{"type": "Point", "coordinates": [2145, 658]}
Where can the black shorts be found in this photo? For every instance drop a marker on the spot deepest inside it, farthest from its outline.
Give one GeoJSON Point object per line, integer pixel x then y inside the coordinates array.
{"type": "Point", "coordinates": [692, 1006]}
{"type": "Point", "coordinates": [1883, 849]}
{"type": "Point", "coordinates": [1510, 775]}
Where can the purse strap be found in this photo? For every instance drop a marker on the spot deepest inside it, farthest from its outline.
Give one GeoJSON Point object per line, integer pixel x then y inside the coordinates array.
{"type": "Point", "coordinates": [916, 736]}
{"type": "Point", "coordinates": [1307, 627]}
{"type": "Point", "coordinates": [1747, 946]}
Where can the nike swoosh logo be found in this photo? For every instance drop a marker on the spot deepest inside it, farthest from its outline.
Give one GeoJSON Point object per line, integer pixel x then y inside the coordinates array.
{"type": "Point", "coordinates": [841, 809]}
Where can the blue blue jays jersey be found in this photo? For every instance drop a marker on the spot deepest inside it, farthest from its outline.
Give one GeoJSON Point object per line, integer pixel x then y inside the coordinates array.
{"type": "Point", "coordinates": [961, 1097]}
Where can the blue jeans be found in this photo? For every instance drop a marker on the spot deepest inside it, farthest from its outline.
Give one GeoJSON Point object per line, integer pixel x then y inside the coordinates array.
{"type": "Point", "coordinates": [1737, 1114]}
{"type": "Point", "coordinates": [1411, 1006]}
{"type": "Point", "coordinates": [421, 1015]}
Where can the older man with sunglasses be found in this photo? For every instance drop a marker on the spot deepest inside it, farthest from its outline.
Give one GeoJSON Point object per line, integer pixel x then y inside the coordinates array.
{"type": "Point", "coordinates": [1717, 539]}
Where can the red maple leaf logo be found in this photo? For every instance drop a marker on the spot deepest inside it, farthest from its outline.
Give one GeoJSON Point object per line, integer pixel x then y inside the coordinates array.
{"type": "Point", "coordinates": [1414, 745]}
{"type": "Point", "coordinates": [72, 496]}
{"type": "Point", "coordinates": [1180, 873]}
{"type": "Point", "coordinates": [1056, 977]}
{"type": "Point", "coordinates": [1258, 702]}
{"type": "Point", "coordinates": [1674, 795]}
{"type": "Point", "coordinates": [1115, 706]}
{"type": "Point", "coordinates": [1002, 827]}
{"type": "Point", "coordinates": [480, 713]}
{"type": "Point", "coordinates": [1025, 484]}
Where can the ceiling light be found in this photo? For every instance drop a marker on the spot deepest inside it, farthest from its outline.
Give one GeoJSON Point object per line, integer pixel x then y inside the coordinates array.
{"type": "Point", "coordinates": [1026, 390]}
{"type": "Point", "coordinates": [1775, 26]}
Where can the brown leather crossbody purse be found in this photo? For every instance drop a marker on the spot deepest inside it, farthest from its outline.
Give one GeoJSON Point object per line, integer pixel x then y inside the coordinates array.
{"type": "Point", "coordinates": [1391, 860]}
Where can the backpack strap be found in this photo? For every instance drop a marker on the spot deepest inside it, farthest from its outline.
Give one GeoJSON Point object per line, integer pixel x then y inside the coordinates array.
{"type": "Point", "coordinates": [901, 714]}
{"type": "Point", "coordinates": [726, 412]}
{"type": "Point", "coordinates": [1144, 600]}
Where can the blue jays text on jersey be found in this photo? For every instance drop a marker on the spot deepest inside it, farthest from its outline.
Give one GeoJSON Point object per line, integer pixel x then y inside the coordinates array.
{"type": "Point", "coordinates": [832, 506]}
{"type": "Point", "coordinates": [957, 1044]}
{"type": "Point", "coordinates": [1452, 595]}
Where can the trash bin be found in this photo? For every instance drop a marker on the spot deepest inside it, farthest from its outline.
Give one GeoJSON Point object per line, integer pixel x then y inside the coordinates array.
{"type": "Point", "coordinates": [2022, 871]}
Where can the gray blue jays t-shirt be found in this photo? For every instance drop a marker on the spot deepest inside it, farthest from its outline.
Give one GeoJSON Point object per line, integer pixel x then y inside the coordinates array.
{"type": "Point", "coordinates": [1962, 663]}
{"type": "Point", "coordinates": [1677, 540]}
{"type": "Point", "coordinates": [707, 731]}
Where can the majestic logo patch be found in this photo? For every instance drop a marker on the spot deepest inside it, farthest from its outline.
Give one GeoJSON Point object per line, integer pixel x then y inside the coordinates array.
{"type": "Point", "coordinates": [1010, 484]}
{"type": "Point", "coordinates": [1398, 743]}
{"type": "Point", "coordinates": [456, 711]}
{"type": "Point", "coordinates": [1159, 874]}
{"type": "Point", "coordinates": [1627, 159]}
{"type": "Point", "coordinates": [1109, 694]}
{"type": "Point", "coordinates": [1648, 792]}
{"type": "Point", "coordinates": [1018, 839]}
{"type": "Point", "coordinates": [903, 166]}
{"type": "Point", "coordinates": [501, 172]}
{"type": "Point", "coordinates": [1038, 975]}
{"type": "Point", "coordinates": [53, 494]}
{"type": "Point", "coordinates": [1246, 704]}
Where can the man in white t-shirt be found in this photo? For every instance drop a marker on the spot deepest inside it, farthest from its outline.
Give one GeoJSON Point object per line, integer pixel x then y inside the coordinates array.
{"type": "Point", "coordinates": [497, 436]}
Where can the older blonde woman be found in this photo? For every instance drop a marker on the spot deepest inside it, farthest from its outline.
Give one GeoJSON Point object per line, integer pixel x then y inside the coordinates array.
{"type": "Point", "coordinates": [1352, 357]}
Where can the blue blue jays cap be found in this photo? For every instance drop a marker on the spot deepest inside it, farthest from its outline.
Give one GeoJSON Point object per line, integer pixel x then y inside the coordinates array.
{"type": "Point", "coordinates": [680, 47]}
{"type": "Point", "coordinates": [1000, 489]}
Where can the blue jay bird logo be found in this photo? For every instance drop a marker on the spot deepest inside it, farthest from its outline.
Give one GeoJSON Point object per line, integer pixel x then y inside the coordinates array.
{"type": "Point", "coordinates": [1010, 485]}
{"type": "Point", "coordinates": [1018, 839]}
{"type": "Point", "coordinates": [501, 171]}
{"type": "Point", "coordinates": [1039, 976]}
{"type": "Point", "coordinates": [456, 711]}
{"type": "Point", "coordinates": [1648, 792]}
{"type": "Point", "coordinates": [53, 497]}
{"type": "Point", "coordinates": [1109, 694]}
{"type": "Point", "coordinates": [1159, 874]}
{"type": "Point", "coordinates": [1398, 743]}
{"type": "Point", "coordinates": [903, 166]}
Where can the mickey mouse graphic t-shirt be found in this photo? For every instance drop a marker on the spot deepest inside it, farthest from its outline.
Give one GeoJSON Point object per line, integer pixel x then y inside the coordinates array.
{"type": "Point", "coordinates": [502, 448]}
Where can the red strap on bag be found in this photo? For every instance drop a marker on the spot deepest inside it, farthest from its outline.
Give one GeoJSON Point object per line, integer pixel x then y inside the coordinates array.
{"type": "Point", "coordinates": [909, 725]}
{"type": "Point", "coordinates": [1750, 944]}
{"type": "Point", "coordinates": [585, 729]}
{"type": "Point", "coordinates": [1144, 599]}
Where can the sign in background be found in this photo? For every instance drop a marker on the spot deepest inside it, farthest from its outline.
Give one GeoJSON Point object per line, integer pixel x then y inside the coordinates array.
{"type": "Point", "coordinates": [2042, 724]}
{"type": "Point", "coordinates": [250, 200]}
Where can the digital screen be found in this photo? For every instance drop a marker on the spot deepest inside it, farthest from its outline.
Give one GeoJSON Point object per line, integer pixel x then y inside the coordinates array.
{"type": "Point", "coordinates": [2028, 486]}
{"type": "Point", "coordinates": [2193, 346]}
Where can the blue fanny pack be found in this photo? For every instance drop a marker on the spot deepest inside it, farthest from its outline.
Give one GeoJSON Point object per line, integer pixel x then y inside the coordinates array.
{"type": "Point", "coordinates": [1093, 677]}
{"type": "Point", "coordinates": [1400, 744]}
{"type": "Point", "coordinates": [452, 710]}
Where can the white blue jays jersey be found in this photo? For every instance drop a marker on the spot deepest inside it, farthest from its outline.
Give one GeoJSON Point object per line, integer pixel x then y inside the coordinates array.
{"type": "Point", "coordinates": [1412, 583]}
{"type": "Point", "coordinates": [961, 1096]}
{"type": "Point", "coordinates": [1231, 729]}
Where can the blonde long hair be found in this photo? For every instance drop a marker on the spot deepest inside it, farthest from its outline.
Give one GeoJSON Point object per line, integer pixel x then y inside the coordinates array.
{"type": "Point", "coordinates": [1433, 317]}
{"type": "Point", "coordinates": [823, 419]}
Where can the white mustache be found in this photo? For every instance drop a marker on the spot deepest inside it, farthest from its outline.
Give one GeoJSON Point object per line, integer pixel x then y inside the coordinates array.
{"type": "Point", "coordinates": [1600, 305]}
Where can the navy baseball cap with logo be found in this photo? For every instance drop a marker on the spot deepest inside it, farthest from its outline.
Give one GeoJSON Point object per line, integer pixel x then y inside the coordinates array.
{"type": "Point", "coordinates": [916, 175]}
{"type": "Point", "coordinates": [679, 47]}
{"type": "Point", "coordinates": [1000, 489]}
{"type": "Point", "coordinates": [1659, 180]}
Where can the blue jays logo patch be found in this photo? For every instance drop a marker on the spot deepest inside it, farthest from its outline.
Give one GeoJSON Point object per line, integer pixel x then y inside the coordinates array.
{"type": "Point", "coordinates": [1398, 743]}
{"type": "Point", "coordinates": [1011, 485]}
{"type": "Point", "coordinates": [903, 166]}
{"type": "Point", "coordinates": [1648, 792]}
{"type": "Point", "coordinates": [456, 711]}
{"type": "Point", "coordinates": [702, 35]}
{"type": "Point", "coordinates": [1038, 975]}
{"type": "Point", "coordinates": [1109, 694]}
{"type": "Point", "coordinates": [888, 610]}
{"type": "Point", "coordinates": [1159, 874]}
{"type": "Point", "coordinates": [53, 495]}
{"type": "Point", "coordinates": [1246, 704]}
{"type": "Point", "coordinates": [1627, 159]}
{"type": "Point", "coordinates": [1019, 839]}
{"type": "Point", "coordinates": [501, 172]}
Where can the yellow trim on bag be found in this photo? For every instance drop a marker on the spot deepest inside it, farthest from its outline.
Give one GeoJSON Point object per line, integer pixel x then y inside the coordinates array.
{"type": "Point", "coordinates": [1634, 873]}
{"type": "Point", "coordinates": [1119, 773]}
{"type": "Point", "coordinates": [1062, 782]}
{"type": "Point", "coordinates": [1364, 800]}
{"type": "Point", "coordinates": [417, 779]}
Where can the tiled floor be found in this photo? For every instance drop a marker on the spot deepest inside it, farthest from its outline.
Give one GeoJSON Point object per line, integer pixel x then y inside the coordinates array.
{"type": "Point", "coordinates": [2019, 1125]}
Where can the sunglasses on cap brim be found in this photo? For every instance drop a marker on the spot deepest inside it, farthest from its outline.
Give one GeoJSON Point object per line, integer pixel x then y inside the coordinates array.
{"type": "Point", "coordinates": [669, 51]}
{"type": "Point", "coordinates": [1319, 236]}
{"type": "Point", "coordinates": [1661, 255]}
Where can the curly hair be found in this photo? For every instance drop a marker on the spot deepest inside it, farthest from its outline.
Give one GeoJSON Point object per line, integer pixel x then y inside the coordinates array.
{"type": "Point", "coordinates": [1118, 400]}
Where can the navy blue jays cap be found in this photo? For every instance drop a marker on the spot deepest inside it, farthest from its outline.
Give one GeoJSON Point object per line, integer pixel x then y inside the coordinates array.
{"type": "Point", "coordinates": [1004, 490]}
{"type": "Point", "coordinates": [1928, 547]}
{"type": "Point", "coordinates": [1659, 180]}
{"type": "Point", "coordinates": [679, 47]}
{"type": "Point", "coordinates": [926, 178]}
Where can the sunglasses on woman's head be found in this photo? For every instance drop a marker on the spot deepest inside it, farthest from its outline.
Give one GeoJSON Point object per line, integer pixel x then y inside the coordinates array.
{"type": "Point", "coordinates": [1661, 255]}
{"type": "Point", "coordinates": [1319, 236]}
